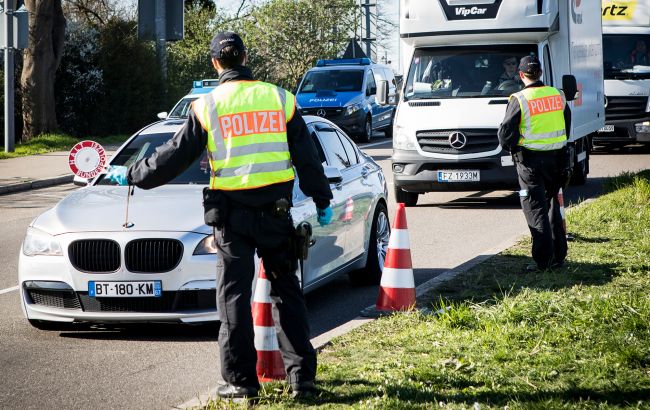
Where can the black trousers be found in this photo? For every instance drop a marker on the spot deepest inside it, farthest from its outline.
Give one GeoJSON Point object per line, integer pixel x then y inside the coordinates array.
{"type": "Point", "coordinates": [248, 230]}
{"type": "Point", "coordinates": [540, 178]}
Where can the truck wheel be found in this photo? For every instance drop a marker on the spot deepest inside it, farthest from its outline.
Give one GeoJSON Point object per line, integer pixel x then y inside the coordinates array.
{"type": "Point", "coordinates": [367, 131]}
{"type": "Point", "coordinates": [407, 198]}
{"type": "Point", "coordinates": [581, 170]}
{"type": "Point", "coordinates": [377, 249]}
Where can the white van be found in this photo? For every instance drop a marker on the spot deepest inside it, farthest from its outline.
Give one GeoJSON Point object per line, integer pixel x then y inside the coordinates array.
{"type": "Point", "coordinates": [626, 53]}
{"type": "Point", "coordinates": [461, 57]}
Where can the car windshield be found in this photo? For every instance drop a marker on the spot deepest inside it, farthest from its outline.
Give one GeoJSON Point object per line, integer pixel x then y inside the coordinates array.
{"type": "Point", "coordinates": [143, 146]}
{"type": "Point", "coordinates": [332, 80]}
{"type": "Point", "coordinates": [182, 107]}
{"type": "Point", "coordinates": [626, 56]}
{"type": "Point", "coordinates": [465, 72]}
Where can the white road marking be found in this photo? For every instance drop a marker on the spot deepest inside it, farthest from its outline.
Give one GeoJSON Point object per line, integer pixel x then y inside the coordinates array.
{"type": "Point", "coordinates": [8, 290]}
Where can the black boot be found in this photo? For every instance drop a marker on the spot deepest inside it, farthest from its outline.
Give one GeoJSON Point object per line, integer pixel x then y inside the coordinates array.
{"type": "Point", "coordinates": [303, 390]}
{"type": "Point", "coordinates": [236, 393]}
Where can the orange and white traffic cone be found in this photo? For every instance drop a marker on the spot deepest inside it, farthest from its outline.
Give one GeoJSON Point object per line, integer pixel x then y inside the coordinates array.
{"type": "Point", "coordinates": [560, 200]}
{"type": "Point", "coordinates": [269, 360]}
{"type": "Point", "coordinates": [349, 209]}
{"type": "Point", "coordinates": [397, 289]}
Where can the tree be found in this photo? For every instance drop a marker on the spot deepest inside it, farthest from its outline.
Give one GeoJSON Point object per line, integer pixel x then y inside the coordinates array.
{"type": "Point", "coordinates": [41, 60]}
{"type": "Point", "coordinates": [286, 37]}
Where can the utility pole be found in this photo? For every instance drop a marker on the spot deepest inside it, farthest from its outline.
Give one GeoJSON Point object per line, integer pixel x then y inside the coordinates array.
{"type": "Point", "coordinates": [9, 76]}
{"type": "Point", "coordinates": [368, 40]}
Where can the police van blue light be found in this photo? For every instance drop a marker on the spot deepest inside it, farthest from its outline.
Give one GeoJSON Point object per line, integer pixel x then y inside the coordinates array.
{"type": "Point", "coordinates": [180, 110]}
{"type": "Point", "coordinates": [344, 91]}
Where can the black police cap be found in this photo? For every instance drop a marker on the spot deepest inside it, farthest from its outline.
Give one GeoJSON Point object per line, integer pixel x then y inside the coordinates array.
{"type": "Point", "coordinates": [223, 40]}
{"type": "Point", "coordinates": [530, 65]}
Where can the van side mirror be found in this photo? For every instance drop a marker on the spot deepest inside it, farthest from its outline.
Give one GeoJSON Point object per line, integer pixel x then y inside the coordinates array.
{"type": "Point", "coordinates": [333, 175]}
{"type": "Point", "coordinates": [162, 115]}
{"type": "Point", "coordinates": [382, 92]}
{"type": "Point", "coordinates": [570, 87]}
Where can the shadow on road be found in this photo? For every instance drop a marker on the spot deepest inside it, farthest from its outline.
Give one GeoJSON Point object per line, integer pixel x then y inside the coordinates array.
{"type": "Point", "coordinates": [144, 332]}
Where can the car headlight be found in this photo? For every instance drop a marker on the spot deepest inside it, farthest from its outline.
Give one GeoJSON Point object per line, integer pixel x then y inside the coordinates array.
{"type": "Point", "coordinates": [402, 140]}
{"type": "Point", "coordinates": [38, 242]}
{"type": "Point", "coordinates": [352, 108]}
{"type": "Point", "coordinates": [207, 246]}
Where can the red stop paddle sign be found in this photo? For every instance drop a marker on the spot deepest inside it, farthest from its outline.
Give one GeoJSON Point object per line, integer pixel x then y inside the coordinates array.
{"type": "Point", "coordinates": [87, 159]}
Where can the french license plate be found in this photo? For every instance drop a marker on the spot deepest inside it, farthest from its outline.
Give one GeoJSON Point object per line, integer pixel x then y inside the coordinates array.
{"type": "Point", "coordinates": [150, 288]}
{"type": "Point", "coordinates": [607, 128]}
{"type": "Point", "coordinates": [459, 176]}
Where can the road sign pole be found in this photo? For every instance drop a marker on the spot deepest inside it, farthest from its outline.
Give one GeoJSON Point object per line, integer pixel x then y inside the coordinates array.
{"type": "Point", "coordinates": [9, 78]}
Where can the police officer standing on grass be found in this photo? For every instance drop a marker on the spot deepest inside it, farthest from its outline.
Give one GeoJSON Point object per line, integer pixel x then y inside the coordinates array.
{"type": "Point", "coordinates": [254, 138]}
{"type": "Point", "coordinates": [535, 131]}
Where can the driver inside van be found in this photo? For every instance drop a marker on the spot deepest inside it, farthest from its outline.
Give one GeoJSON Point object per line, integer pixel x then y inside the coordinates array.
{"type": "Point", "coordinates": [510, 72]}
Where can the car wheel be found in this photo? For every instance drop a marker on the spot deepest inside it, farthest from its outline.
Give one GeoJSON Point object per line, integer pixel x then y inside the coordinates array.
{"type": "Point", "coordinates": [48, 325]}
{"type": "Point", "coordinates": [407, 198]}
{"type": "Point", "coordinates": [377, 249]}
{"type": "Point", "coordinates": [367, 131]}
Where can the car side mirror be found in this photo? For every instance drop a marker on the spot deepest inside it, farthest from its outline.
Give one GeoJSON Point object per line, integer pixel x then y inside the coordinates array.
{"type": "Point", "coordinates": [162, 115]}
{"type": "Point", "coordinates": [382, 92]}
{"type": "Point", "coordinates": [570, 87]}
{"type": "Point", "coordinates": [333, 175]}
{"type": "Point", "coordinates": [79, 181]}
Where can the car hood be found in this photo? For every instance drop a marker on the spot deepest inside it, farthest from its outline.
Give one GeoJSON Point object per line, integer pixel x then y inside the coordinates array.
{"type": "Point", "coordinates": [175, 208]}
{"type": "Point", "coordinates": [326, 99]}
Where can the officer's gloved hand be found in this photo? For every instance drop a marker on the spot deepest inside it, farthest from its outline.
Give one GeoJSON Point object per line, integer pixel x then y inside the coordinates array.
{"type": "Point", "coordinates": [324, 215]}
{"type": "Point", "coordinates": [117, 174]}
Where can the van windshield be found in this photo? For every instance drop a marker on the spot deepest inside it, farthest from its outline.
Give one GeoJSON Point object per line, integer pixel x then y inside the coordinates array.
{"type": "Point", "coordinates": [182, 108]}
{"type": "Point", "coordinates": [466, 72]}
{"type": "Point", "coordinates": [332, 80]}
{"type": "Point", "coordinates": [626, 56]}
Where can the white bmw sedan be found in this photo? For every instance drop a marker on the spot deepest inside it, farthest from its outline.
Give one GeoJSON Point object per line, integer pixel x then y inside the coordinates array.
{"type": "Point", "coordinates": [86, 260]}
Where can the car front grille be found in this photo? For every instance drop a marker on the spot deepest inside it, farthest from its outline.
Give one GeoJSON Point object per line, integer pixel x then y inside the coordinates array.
{"type": "Point", "coordinates": [62, 299]}
{"type": "Point", "coordinates": [169, 302]}
{"type": "Point", "coordinates": [95, 255]}
{"type": "Point", "coordinates": [153, 255]}
{"type": "Point", "coordinates": [626, 108]}
{"type": "Point", "coordinates": [478, 140]}
{"type": "Point", "coordinates": [329, 112]}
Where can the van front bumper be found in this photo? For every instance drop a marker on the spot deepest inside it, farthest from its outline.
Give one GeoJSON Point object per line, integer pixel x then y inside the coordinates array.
{"type": "Point", "coordinates": [420, 174]}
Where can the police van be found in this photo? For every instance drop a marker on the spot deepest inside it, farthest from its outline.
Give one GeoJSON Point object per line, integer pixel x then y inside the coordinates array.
{"type": "Point", "coordinates": [199, 87]}
{"type": "Point", "coordinates": [344, 91]}
{"type": "Point", "coordinates": [462, 58]}
{"type": "Point", "coordinates": [626, 53]}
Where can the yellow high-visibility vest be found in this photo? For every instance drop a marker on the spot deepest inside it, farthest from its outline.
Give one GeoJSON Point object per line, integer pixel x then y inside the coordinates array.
{"type": "Point", "coordinates": [246, 123]}
{"type": "Point", "coordinates": [542, 124]}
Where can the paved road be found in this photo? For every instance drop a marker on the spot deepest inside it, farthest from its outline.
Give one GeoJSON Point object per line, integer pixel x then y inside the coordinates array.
{"type": "Point", "coordinates": [160, 366]}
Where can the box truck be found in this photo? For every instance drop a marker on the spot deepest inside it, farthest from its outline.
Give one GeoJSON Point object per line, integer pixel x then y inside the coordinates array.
{"type": "Point", "coordinates": [462, 58]}
{"type": "Point", "coordinates": [626, 60]}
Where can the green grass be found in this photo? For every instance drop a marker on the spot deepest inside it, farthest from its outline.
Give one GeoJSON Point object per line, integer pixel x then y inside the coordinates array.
{"type": "Point", "coordinates": [56, 142]}
{"type": "Point", "coordinates": [575, 338]}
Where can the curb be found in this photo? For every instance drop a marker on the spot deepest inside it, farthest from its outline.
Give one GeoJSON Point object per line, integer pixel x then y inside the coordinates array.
{"type": "Point", "coordinates": [36, 184]}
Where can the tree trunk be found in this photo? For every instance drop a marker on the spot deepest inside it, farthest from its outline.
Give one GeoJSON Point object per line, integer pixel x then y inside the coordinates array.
{"type": "Point", "coordinates": [41, 60]}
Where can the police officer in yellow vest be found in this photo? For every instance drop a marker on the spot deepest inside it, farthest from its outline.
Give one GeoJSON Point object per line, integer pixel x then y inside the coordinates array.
{"type": "Point", "coordinates": [255, 139]}
{"type": "Point", "coordinates": [535, 130]}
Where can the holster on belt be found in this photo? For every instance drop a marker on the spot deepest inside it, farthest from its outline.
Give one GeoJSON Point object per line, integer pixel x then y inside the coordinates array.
{"type": "Point", "coordinates": [215, 207]}
{"type": "Point", "coordinates": [302, 240]}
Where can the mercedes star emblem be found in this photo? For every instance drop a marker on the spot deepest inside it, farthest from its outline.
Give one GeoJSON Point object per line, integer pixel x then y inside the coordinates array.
{"type": "Point", "coordinates": [320, 113]}
{"type": "Point", "coordinates": [457, 140]}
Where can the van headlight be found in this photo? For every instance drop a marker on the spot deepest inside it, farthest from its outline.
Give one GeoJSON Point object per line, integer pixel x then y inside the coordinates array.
{"type": "Point", "coordinates": [643, 127]}
{"type": "Point", "coordinates": [402, 140]}
{"type": "Point", "coordinates": [352, 108]}
{"type": "Point", "coordinates": [38, 242]}
{"type": "Point", "coordinates": [207, 246]}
